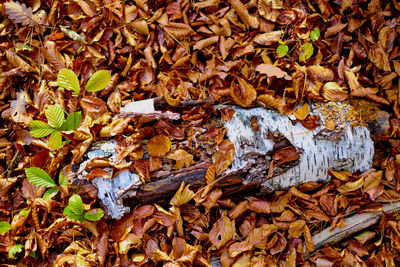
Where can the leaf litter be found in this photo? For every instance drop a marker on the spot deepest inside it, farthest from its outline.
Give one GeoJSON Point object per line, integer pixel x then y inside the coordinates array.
{"type": "Point", "coordinates": [276, 54]}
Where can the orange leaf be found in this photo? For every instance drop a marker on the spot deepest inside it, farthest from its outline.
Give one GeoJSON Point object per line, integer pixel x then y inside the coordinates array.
{"type": "Point", "coordinates": [333, 91]}
{"type": "Point", "coordinates": [296, 229]}
{"type": "Point", "coordinates": [227, 113]}
{"type": "Point", "coordinates": [159, 145]}
{"type": "Point", "coordinates": [182, 158]}
{"type": "Point", "coordinates": [210, 174]}
{"type": "Point", "coordinates": [222, 232]}
{"type": "Point", "coordinates": [224, 156]}
{"type": "Point", "coordinates": [302, 112]}
{"type": "Point", "coordinates": [308, 239]}
{"type": "Point", "coordinates": [244, 94]}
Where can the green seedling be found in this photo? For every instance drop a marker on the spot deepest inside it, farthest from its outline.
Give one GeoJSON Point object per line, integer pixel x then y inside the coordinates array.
{"type": "Point", "coordinates": [75, 210]}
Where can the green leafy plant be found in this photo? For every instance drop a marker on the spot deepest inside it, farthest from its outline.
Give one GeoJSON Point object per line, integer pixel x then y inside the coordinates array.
{"type": "Point", "coordinates": [40, 178]}
{"type": "Point", "coordinates": [4, 227]}
{"type": "Point", "coordinates": [67, 79]}
{"type": "Point", "coordinates": [15, 250]}
{"type": "Point", "coordinates": [55, 124]}
{"type": "Point", "coordinates": [75, 210]}
{"type": "Point", "coordinates": [306, 49]}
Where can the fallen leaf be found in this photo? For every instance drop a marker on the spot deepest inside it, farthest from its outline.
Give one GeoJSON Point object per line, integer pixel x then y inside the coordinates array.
{"type": "Point", "coordinates": [183, 159]}
{"type": "Point", "coordinates": [158, 145]}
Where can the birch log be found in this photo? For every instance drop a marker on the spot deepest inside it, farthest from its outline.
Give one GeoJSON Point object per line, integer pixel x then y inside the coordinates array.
{"type": "Point", "coordinates": [347, 147]}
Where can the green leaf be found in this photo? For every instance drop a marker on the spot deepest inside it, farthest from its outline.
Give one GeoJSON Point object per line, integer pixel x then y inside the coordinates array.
{"type": "Point", "coordinates": [33, 254]}
{"type": "Point", "coordinates": [14, 250]}
{"type": "Point", "coordinates": [99, 80]}
{"type": "Point", "coordinates": [76, 204]}
{"type": "Point", "coordinates": [282, 50]}
{"type": "Point", "coordinates": [307, 51]}
{"type": "Point", "coordinates": [50, 193]}
{"type": "Point", "coordinates": [70, 214]}
{"type": "Point", "coordinates": [4, 227]}
{"type": "Point", "coordinates": [67, 79]}
{"type": "Point", "coordinates": [55, 115]}
{"type": "Point", "coordinates": [94, 214]}
{"type": "Point", "coordinates": [55, 140]}
{"type": "Point", "coordinates": [315, 34]}
{"type": "Point", "coordinates": [40, 129]}
{"type": "Point", "coordinates": [39, 177]}
{"type": "Point", "coordinates": [73, 121]}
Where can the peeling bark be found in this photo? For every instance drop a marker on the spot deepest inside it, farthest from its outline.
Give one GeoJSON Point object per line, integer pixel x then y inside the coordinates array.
{"type": "Point", "coordinates": [345, 148]}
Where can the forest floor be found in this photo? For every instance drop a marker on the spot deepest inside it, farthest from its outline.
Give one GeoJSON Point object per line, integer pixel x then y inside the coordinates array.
{"type": "Point", "coordinates": [67, 68]}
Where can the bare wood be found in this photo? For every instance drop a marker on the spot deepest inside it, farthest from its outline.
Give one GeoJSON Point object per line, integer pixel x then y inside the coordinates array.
{"type": "Point", "coordinates": [354, 224]}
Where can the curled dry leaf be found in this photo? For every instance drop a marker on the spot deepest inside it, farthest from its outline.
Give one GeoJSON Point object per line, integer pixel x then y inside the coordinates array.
{"type": "Point", "coordinates": [334, 92]}
{"type": "Point", "coordinates": [210, 174]}
{"type": "Point", "coordinates": [244, 94]}
{"type": "Point", "coordinates": [182, 196]}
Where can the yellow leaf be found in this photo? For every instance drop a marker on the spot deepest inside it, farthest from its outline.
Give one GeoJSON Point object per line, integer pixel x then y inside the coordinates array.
{"type": "Point", "coordinates": [159, 145]}
{"type": "Point", "coordinates": [182, 196]}
{"type": "Point", "coordinates": [341, 175]}
{"type": "Point", "coordinates": [351, 186]}
{"type": "Point", "coordinates": [182, 158]}
{"type": "Point", "coordinates": [302, 112]}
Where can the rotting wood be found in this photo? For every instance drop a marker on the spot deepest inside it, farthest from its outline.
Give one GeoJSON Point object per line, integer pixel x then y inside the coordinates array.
{"type": "Point", "coordinates": [346, 148]}
{"type": "Point", "coordinates": [354, 224]}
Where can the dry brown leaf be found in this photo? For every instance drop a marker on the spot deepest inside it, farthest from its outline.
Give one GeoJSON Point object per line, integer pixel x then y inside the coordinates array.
{"type": "Point", "coordinates": [183, 159]}
{"type": "Point", "coordinates": [334, 92]}
{"type": "Point", "coordinates": [204, 43]}
{"type": "Point", "coordinates": [268, 38]}
{"type": "Point", "coordinates": [244, 14]}
{"type": "Point", "coordinates": [244, 94]}
{"type": "Point", "coordinates": [20, 13]}
{"type": "Point", "coordinates": [224, 156]}
{"type": "Point", "coordinates": [17, 61]}
{"type": "Point", "coordinates": [53, 56]}
{"type": "Point", "coordinates": [210, 174]}
{"type": "Point", "coordinates": [318, 72]}
{"type": "Point", "coordinates": [296, 229]}
{"type": "Point", "coordinates": [222, 231]}
{"type": "Point", "coordinates": [272, 71]}
{"type": "Point", "coordinates": [258, 236]}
